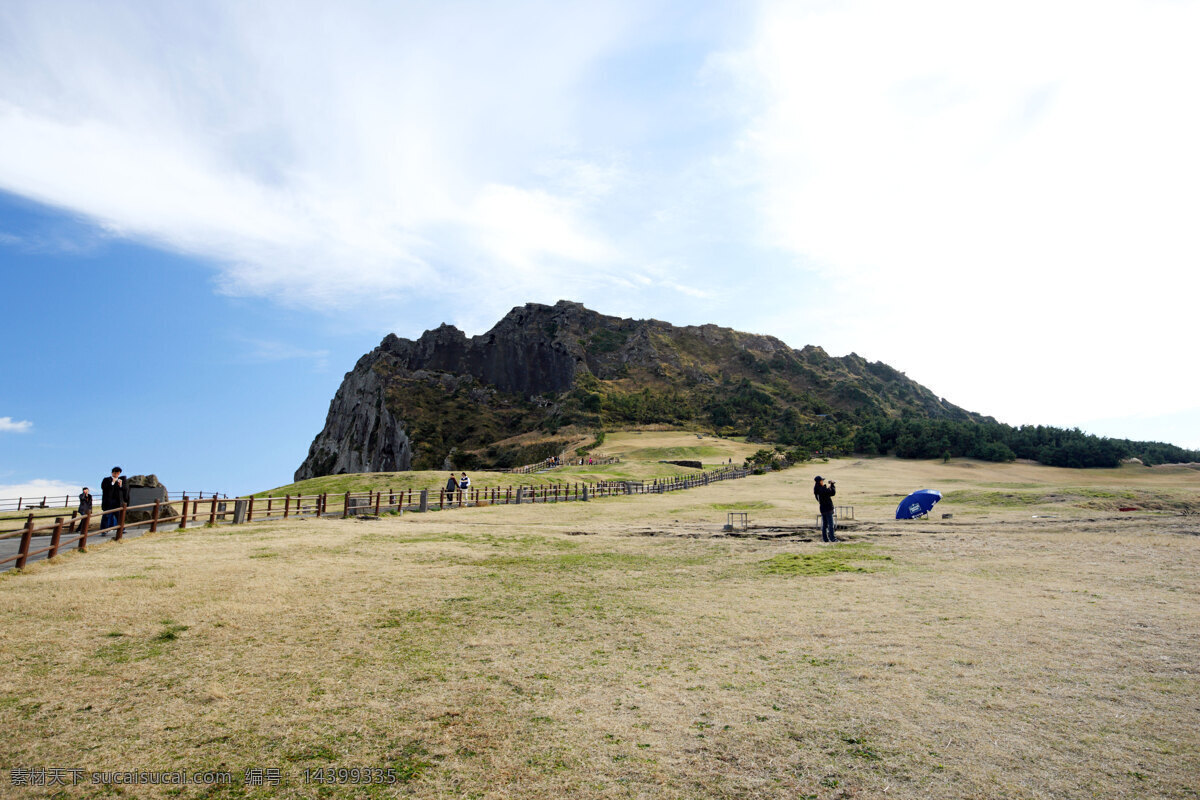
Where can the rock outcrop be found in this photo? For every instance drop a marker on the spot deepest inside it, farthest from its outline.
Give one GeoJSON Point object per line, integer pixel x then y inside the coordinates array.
{"type": "Point", "coordinates": [145, 489]}
{"type": "Point", "coordinates": [360, 433]}
{"type": "Point", "coordinates": [411, 404]}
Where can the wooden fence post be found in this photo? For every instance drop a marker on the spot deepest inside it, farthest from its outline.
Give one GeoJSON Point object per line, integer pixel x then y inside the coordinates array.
{"type": "Point", "coordinates": [212, 511]}
{"type": "Point", "coordinates": [121, 524]}
{"type": "Point", "coordinates": [250, 510]}
{"type": "Point", "coordinates": [183, 519]}
{"type": "Point", "coordinates": [154, 519]}
{"type": "Point", "coordinates": [83, 529]}
{"type": "Point", "coordinates": [378, 499]}
{"type": "Point", "coordinates": [287, 506]}
{"type": "Point", "coordinates": [58, 523]}
{"type": "Point", "coordinates": [26, 540]}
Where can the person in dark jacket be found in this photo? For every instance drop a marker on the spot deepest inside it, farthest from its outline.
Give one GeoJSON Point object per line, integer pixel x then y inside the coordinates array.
{"type": "Point", "coordinates": [114, 493]}
{"type": "Point", "coordinates": [824, 494]}
{"type": "Point", "coordinates": [85, 505]}
{"type": "Point", "coordinates": [451, 487]}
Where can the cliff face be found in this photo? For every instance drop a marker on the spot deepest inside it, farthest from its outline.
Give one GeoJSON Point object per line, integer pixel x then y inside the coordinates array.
{"type": "Point", "coordinates": [412, 404]}
{"type": "Point", "coordinates": [360, 433]}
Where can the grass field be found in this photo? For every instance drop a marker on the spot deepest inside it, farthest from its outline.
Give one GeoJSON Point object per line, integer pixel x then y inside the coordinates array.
{"type": "Point", "coordinates": [1034, 646]}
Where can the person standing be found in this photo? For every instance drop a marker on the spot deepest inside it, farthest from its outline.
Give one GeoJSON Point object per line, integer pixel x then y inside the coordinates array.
{"type": "Point", "coordinates": [85, 505]}
{"type": "Point", "coordinates": [464, 483]}
{"type": "Point", "coordinates": [114, 493]}
{"type": "Point", "coordinates": [451, 488]}
{"type": "Point", "coordinates": [824, 494]}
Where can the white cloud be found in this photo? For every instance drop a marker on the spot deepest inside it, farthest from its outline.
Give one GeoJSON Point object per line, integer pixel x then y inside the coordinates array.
{"type": "Point", "coordinates": [39, 488]}
{"type": "Point", "coordinates": [522, 228]}
{"type": "Point", "coordinates": [999, 199]}
{"type": "Point", "coordinates": [10, 425]}
{"type": "Point", "coordinates": [315, 152]}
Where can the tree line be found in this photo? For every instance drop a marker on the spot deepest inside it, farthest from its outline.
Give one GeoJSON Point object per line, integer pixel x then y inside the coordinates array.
{"type": "Point", "coordinates": [808, 424]}
{"type": "Point", "coordinates": [987, 441]}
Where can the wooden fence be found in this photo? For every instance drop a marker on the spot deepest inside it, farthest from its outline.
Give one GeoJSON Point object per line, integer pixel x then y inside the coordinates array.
{"type": "Point", "coordinates": [75, 530]}
{"type": "Point", "coordinates": [563, 461]}
{"type": "Point", "coordinates": [70, 501]}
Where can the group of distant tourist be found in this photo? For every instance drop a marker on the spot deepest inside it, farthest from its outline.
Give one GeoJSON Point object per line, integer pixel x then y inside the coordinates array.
{"type": "Point", "coordinates": [114, 493]}
{"type": "Point", "coordinates": [456, 484]}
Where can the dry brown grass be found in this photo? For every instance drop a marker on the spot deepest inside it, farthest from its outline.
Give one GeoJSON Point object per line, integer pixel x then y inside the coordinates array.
{"type": "Point", "coordinates": [497, 652]}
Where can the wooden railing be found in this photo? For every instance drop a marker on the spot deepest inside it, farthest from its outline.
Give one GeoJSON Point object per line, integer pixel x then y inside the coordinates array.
{"type": "Point", "coordinates": [212, 511]}
{"type": "Point", "coordinates": [564, 461]}
{"type": "Point", "coordinates": [544, 464]}
{"type": "Point", "coordinates": [70, 501]}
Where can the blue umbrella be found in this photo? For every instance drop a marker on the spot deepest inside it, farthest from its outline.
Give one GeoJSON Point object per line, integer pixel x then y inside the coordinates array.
{"type": "Point", "coordinates": [917, 504]}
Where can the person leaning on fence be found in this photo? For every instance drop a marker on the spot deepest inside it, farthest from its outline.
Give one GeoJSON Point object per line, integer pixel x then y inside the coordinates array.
{"type": "Point", "coordinates": [824, 495]}
{"type": "Point", "coordinates": [114, 493]}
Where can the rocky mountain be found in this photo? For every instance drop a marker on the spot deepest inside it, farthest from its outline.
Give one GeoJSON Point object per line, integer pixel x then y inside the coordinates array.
{"type": "Point", "coordinates": [416, 404]}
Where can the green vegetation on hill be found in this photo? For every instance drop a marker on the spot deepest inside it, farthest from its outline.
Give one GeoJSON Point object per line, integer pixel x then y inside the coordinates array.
{"type": "Point", "coordinates": [770, 412]}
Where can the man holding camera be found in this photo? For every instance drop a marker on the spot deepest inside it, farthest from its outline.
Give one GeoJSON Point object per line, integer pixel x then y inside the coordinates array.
{"type": "Point", "coordinates": [824, 494]}
{"type": "Point", "coordinates": [114, 494]}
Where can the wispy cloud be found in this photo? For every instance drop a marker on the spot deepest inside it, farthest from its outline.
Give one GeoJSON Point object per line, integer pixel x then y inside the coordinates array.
{"type": "Point", "coordinates": [260, 351]}
{"type": "Point", "coordinates": [70, 240]}
{"type": "Point", "coordinates": [10, 425]}
{"type": "Point", "coordinates": [314, 151]}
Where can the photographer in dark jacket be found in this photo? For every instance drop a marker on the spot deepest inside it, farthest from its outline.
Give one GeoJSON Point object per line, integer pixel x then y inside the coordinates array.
{"type": "Point", "coordinates": [114, 493]}
{"type": "Point", "coordinates": [85, 505]}
{"type": "Point", "coordinates": [85, 502]}
{"type": "Point", "coordinates": [824, 495]}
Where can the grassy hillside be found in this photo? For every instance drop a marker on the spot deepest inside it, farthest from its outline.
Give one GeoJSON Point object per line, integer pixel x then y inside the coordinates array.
{"type": "Point", "coordinates": [640, 452]}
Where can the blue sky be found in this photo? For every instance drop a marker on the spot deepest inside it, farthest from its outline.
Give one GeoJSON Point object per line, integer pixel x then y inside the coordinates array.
{"type": "Point", "coordinates": [209, 211]}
